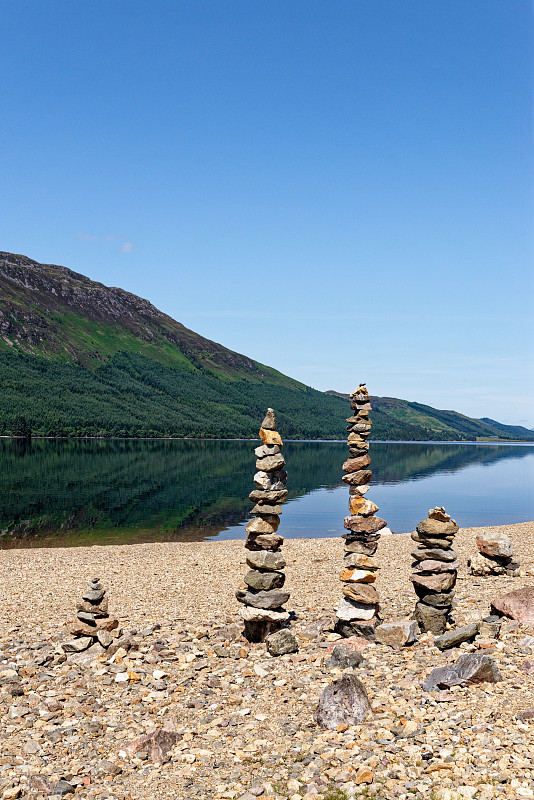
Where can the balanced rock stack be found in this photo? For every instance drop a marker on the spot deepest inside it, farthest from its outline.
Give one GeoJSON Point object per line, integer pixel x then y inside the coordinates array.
{"type": "Point", "coordinates": [358, 611]}
{"type": "Point", "coordinates": [262, 593]}
{"type": "Point", "coordinates": [434, 570]}
{"type": "Point", "coordinates": [495, 556]}
{"type": "Point", "coordinates": [93, 623]}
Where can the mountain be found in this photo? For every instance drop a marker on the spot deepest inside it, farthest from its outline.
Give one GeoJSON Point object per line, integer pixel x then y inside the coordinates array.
{"type": "Point", "coordinates": [443, 425]}
{"type": "Point", "coordinates": [78, 358]}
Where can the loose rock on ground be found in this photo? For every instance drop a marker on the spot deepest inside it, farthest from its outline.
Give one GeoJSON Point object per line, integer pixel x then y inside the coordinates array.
{"type": "Point", "coordinates": [238, 721]}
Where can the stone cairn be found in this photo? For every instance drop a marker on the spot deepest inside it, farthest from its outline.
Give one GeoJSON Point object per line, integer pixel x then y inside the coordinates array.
{"type": "Point", "coordinates": [434, 570]}
{"type": "Point", "coordinates": [495, 556]}
{"type": "Point", "coordinates": [93, 623]}
{"type": "Point", "coordinates": [358, 611]}
{"type": "Point", "coordinates": [261, 595]}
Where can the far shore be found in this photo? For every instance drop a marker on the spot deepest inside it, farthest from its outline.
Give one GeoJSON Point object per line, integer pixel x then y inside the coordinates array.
{"type": "Point", "coordinates": [257, 439]}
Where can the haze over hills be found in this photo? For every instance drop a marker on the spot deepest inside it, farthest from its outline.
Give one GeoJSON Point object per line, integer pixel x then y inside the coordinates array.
{"type": "Point", "coordinates": [78, 358]}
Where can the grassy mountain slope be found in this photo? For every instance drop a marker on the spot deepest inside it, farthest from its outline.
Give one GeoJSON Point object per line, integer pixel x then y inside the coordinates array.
{"type": "Point", "coordinates": [440, 425]}
{"type": "Point", "coordinates": [56, 313]}
{"type": "Point", "coordinates": [78, 358]}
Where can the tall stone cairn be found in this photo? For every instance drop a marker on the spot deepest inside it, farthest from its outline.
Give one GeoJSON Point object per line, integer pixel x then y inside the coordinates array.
{"type": "Point", "coordinates": [262, 594]}
{"type": "Point", "coordinates": [358, 611]}
{"type": "Point", "coordinates": [434, 570]}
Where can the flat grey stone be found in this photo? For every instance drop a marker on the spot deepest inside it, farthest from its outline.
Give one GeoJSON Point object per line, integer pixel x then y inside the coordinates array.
{"type": "Point", "coordinates": [266, 450]}
{"type": "Point", "coordinates": [489, 629]}
{"type": "Point", "coordinates": [457, 636]}
{"type": "Point", "coordinates": [93, 595]}
{"type": "Point", "coordinates": [270, 463]}
{"type": "Point", "coordinates": [263, 581]}
{"type": "Point", "coordinates": [267, 508]}
{"type": "Point", "coordinates": [77, 645]}
{"type": "Point", "coordinates": [397, 634]}
{"type": "Point", "coordinates": [269, 600]}
{"type": "Point", "coordinates": [437, 529]}
{"type": "Point", "coordinates": [261, 496]}
{"type": "Point", "coordinates": [265, 559]}
{"type": "Point", "coordinates": [434, 567]}
{"type": "Point", "coordinates": [434, 553]}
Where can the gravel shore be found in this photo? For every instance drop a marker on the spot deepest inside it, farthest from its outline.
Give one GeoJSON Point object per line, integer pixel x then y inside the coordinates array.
{"type": "Point", "coordinates": [245, 720]}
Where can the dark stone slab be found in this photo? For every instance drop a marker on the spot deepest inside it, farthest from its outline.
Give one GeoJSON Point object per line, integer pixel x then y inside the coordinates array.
{"type": "Point", "coordinates": [272, 599]}
{"type": "Point", "coordinates": [264, 541]}
{"type": "Point", "coordinates": [264, 581]}
{"type": "Point", "coordinates": [364, 546]}
{"type": "Point", "coordinates": [344, 702]}
{"type": "Point", "coordinates": [360, 524]}
{"type": "Point", "coordinates": [469, 669]}
{"type": "Point", "coordinates": [358, 478]}
{"type": "Point", "coordinates": [363, 628]}
{"type": "Point", "coordinates": [430, 619]}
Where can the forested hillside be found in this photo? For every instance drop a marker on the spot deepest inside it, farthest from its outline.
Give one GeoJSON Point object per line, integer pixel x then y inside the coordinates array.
{"type": "Point", "coordinates": [78, 358]}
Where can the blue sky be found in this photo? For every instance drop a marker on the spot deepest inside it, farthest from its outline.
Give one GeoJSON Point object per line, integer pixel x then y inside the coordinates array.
{"type": "Point", "coordinates": [342, 190]}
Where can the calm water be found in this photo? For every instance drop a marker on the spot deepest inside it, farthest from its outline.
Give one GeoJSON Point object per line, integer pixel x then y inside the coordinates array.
{"type": "Point", "coordinates": [80, 492]}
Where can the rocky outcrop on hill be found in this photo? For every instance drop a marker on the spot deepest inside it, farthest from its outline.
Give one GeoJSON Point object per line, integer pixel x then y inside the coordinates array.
{"type": "Point", "coordinates": [28, 285]}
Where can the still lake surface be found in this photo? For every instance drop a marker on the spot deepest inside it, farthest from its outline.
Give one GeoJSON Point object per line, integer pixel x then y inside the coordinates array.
{"type": "Point", "coordinates": [60, 492]}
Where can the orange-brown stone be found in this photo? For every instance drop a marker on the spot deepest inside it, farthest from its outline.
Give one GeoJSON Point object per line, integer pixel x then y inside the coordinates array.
{"type": "Point", "coordinates": [270, 437]}
{"type": "Point", "coordinates": [360, 505]}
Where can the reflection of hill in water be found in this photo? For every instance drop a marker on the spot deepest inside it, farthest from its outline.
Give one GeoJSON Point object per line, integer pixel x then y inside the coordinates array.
{"type": "Point", "coordinates": [183, 489]}
{"type": "Point", "coordinates": [394, 462]}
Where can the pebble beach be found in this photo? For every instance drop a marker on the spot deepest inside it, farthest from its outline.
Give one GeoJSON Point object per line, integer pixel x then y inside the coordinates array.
{"type": "Point", "coordinates": [243, 722]}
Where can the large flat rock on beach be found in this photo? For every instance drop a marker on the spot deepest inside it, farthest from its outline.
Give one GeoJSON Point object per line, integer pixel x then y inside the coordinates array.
{"type": "Point", "coordinates": [243, 721]}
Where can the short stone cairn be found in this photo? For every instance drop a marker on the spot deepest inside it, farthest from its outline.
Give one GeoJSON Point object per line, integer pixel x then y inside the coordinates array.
{"type": "Point", "coordinates": [357, 613]}
{"type": "Point", "coordinates": [92, 623]}
{"type": "Point", "coordinates": [434, 570]}
{"type": "Point", "coordinates": [262, 594]}
{"type": "Point", "coordinates": [495, 556]}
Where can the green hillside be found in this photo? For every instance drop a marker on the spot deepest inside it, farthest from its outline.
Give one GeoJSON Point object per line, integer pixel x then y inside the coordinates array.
{"type": "Point", "coordinates": [441, 425]}
{"type": "Point", "coordinates": [78, 358]}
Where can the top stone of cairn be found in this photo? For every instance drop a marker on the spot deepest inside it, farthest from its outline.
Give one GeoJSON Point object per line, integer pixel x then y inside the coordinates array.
{"type": "Point", "coordinates": [269, 422]}
{"type": "Point", "coordinates": [438, 513]}
{"type": "Point", "coordinates": [268, 433]}
{"type": "Point", "coordinates": [361, 390]}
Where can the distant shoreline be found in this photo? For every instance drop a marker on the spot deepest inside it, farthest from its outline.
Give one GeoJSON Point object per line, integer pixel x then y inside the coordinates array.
{"type": "Point", "coordinates": [257, 439]}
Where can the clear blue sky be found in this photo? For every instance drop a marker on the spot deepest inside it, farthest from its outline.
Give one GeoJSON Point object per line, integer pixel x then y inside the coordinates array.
{"type": "Point", "coordinates": [342, 190]}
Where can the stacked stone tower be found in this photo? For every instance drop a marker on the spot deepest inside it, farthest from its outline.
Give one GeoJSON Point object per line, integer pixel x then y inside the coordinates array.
{"type": "Point", "coordinates": [434, 570]}
{"type": "Point", "coordinates": [262, 593]}
{"type": "Point", "coordinates": [358, 611]}
{"type": "Point", "coordinates": [93, 622]}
